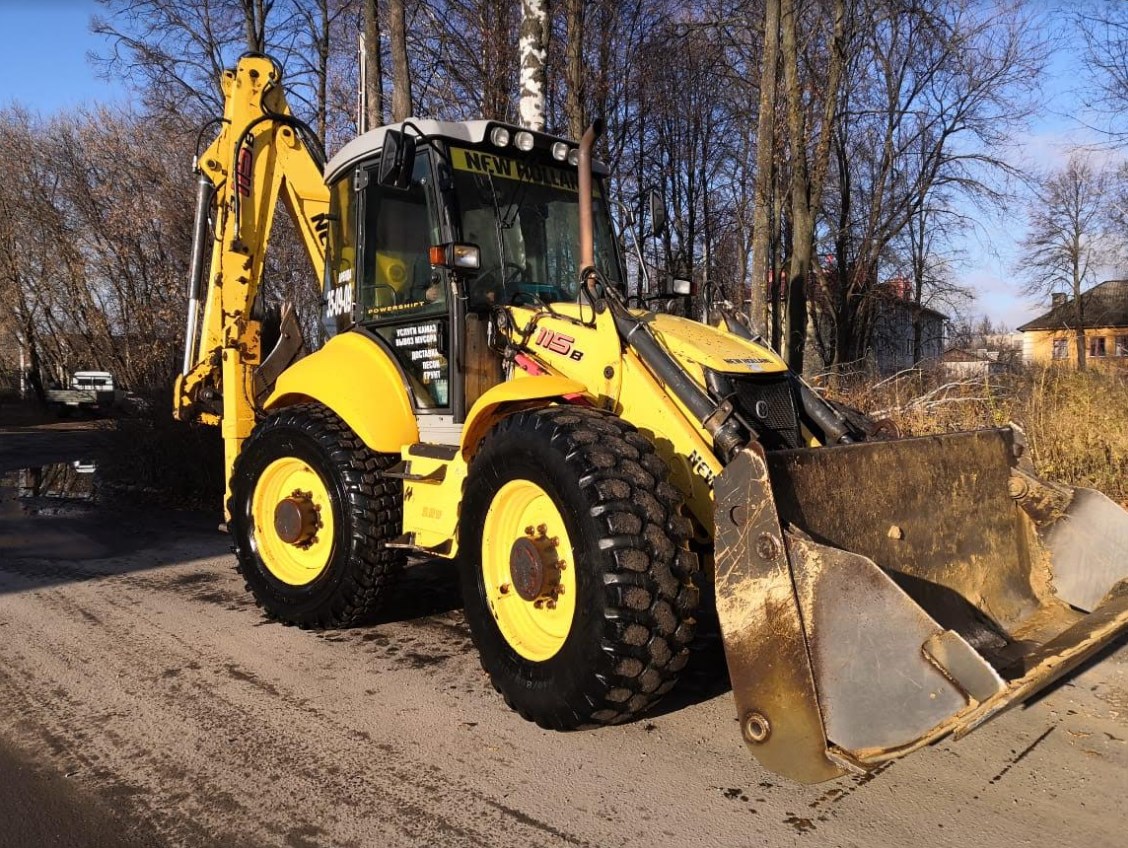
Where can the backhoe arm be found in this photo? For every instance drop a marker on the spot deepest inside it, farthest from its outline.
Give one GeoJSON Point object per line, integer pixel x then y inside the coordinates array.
{"type": "Point", "coordinates": [261, 155]}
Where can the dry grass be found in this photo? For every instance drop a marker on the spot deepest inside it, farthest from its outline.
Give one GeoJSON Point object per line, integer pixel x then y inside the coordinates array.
{"type": "Point", "coordinates": [1076, 423]}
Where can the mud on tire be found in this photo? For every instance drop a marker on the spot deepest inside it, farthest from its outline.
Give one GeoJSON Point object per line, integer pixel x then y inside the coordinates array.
{"type": "Point", "coordinates": [636, 597]}
{"type": "Point", "coordinates": [367, 511]}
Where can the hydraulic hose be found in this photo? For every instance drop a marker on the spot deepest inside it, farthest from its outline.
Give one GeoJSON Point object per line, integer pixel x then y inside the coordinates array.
{"type": "Point", "coordinates": [822, 413]}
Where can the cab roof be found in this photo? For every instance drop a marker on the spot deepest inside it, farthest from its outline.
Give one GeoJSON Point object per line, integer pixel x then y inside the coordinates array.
{"type": "Point", "coordinates": [468, 132]}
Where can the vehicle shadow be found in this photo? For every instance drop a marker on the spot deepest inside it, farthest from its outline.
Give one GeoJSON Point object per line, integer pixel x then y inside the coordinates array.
{"type": "Point", "coordinates": [430, 588]}
{"type": "Point", "coordinates": [426, 587]}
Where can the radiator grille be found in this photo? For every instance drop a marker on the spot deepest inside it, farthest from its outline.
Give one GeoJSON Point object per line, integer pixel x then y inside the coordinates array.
{"type": "Point", "coordinates": [768, 404]}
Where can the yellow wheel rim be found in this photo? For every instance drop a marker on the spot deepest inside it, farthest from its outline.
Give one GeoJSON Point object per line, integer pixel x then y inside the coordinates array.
{"type": "Point", "coordinates": [536, 628]}
{"type": "Point", "coordinates": [295, 563]}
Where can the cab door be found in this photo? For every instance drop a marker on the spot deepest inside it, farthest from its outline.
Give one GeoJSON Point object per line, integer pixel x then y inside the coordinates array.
{"type": "Point", "coordinates": [385, 284]}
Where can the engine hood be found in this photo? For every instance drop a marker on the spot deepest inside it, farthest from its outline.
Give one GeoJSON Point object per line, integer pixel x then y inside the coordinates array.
{"type": "Point", "coordinates": [696, 344]}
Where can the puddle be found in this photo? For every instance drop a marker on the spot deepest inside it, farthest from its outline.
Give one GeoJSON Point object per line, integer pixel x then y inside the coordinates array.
{"type": "Point", "coordinates": [63, 488]}
{"type": "Point", "coordinates": [54, 512]}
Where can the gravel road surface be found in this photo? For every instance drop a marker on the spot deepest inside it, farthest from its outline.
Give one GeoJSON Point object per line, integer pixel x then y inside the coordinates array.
{"type": "Point", "coordinates": [140, 686]}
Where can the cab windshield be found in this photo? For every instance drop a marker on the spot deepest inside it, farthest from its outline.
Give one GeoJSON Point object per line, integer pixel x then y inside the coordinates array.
{"type": "Point", "coordinates": [524, 217]}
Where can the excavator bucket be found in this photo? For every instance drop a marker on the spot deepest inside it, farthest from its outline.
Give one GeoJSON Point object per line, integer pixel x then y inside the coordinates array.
{"type": "Point", "coordinates": [874, 598]}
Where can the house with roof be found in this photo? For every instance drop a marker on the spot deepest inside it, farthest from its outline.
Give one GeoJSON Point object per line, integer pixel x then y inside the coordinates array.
{"type": "Point", "coordinates": [1103, 319]}
{"type": "Point", "coordinates": [963, 363]}
{"type": "Point", "coordinates": [895, 319]}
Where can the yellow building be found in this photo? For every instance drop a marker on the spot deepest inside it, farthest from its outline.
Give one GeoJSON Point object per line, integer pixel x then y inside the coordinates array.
{"type": "Point", "coordinates": [1104, 315]}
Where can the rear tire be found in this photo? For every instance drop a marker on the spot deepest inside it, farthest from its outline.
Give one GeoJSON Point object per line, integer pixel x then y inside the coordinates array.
{"type": "Point", "coordinates": [631, 569]}
{"type": "Point", "coordinates": [340, 576]}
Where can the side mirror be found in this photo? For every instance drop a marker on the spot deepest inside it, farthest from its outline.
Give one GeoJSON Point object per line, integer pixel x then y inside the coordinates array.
{"type": "Point", "coordinates": [657, 212]}
{"type": "Point", "coordinates": [397, 162]}
{"type": "Point", "coordinates": [682, 287]}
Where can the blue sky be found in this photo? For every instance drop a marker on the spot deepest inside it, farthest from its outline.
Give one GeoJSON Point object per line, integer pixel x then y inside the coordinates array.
{"type": "Point", "coordinates": [44, 46]}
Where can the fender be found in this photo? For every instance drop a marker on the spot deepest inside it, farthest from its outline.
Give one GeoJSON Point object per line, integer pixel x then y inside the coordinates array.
{"type": "Point", "coordinates": [358, 380]}
{"type": "Point", "coordinates": [499, 400]}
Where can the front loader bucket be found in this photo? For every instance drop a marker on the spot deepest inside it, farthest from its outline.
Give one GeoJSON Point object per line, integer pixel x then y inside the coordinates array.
{"type": "Point", "coordinates": [874, 598]}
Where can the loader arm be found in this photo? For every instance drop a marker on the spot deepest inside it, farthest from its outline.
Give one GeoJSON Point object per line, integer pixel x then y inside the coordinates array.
{"type": "Point", "coordinates": [261, 155]}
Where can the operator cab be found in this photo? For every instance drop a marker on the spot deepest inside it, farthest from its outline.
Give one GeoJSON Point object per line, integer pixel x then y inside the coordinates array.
{"type": "Point", "coordinates": [412, 206]}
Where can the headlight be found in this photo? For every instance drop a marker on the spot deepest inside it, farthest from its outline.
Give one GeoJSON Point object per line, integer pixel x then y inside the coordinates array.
{"type": "Point", "coordinates": [499, 136]}
{"type": "Point", "coordinates": [560, 151]}
{"type": "Point", "coordinates": [574, 156]}
{"type": "Point", "coordinates": [524, 141]}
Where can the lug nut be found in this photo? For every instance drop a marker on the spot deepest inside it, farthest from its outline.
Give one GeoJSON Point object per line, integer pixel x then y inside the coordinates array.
{"type": "Point", "coordinates": [542, 529]}
{"type": "Point", "coordinates": [529, 530]}
{"type": "Point", "coordinates": [503, 588]}
{"type": "Point", "coordinates": [550, 604]}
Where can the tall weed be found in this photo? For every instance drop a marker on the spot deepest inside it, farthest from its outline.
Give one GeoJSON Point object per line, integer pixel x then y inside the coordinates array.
{"type": "Point", "coordinates": [1076, 422]}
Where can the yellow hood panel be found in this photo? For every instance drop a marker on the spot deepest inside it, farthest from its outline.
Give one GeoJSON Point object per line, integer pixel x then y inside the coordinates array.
{"type": "Point", "coordinates": [712, 348]}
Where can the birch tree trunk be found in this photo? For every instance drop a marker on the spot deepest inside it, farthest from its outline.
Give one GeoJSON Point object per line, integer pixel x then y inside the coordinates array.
{"type": "Point", "coordinates": [533, 53]}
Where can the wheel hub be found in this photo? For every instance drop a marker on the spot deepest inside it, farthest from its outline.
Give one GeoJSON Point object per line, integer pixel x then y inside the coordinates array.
{"type": "Point", "coordinates": [296, 518]}
{"type": "Point", "coordinates": [534, 566]}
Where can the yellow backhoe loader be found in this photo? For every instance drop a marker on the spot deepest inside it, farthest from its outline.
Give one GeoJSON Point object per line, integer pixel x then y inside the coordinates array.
{"type": "Point", "coordinates": [486, 396]}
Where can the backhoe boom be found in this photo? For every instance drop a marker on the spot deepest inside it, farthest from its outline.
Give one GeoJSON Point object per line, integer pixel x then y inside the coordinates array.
{"type": "Point", "coordinates": [261, 155]}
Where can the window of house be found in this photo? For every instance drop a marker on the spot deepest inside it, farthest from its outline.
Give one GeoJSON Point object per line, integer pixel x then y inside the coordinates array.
{"type": "Point", "coordinates": [1121, 346]}
{"type": "Point", "coordinates": [1061, 348]}
{"type": "Point", "coordinates": [1097, 346]}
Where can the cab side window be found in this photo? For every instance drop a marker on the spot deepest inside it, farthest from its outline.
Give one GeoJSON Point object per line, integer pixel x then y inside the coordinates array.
{"type": "Point", "coordinates": [399, 228]}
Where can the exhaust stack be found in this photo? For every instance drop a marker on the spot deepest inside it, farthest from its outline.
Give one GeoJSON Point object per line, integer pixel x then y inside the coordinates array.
{"type": "Point", "coordinates": [587, 226]}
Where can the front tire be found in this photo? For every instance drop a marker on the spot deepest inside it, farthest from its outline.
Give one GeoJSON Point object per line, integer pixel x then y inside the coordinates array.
{"type": "Point", "coordinates": [310, 515]}
{"type": "Point", "coordinates": [601, 638]}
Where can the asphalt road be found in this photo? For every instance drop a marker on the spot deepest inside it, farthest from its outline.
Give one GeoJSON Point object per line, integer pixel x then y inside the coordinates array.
{"type": "Point", "coordinates": [144, 699]}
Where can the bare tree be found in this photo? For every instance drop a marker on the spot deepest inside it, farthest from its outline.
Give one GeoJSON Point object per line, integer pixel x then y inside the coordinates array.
{"type": "Point", "coordinates": [315, 24]}
{"type": "Point", "coordinates": [574, 69]}
{"type": "Point", "coordinates": [401, 69]}
{"type": "Point", "coordinates": [373, 66]}
{"type": "Point", "coordinates": [176, 50]}
{"type": "Point", "coordinates": [1104, 29]}
{"type": "Point", "coordinates": [1063, 246]}
{"type": "Point", "coordinates": [933, 93]}
{"type": "Point", "coordinates": [95, 268]}
{"type": "Point", "coordinates": [807, 176]}
{"type": "Point", "coordinates": [928, 259]}
{"type": "Point", "coordinates": [765, 160]}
